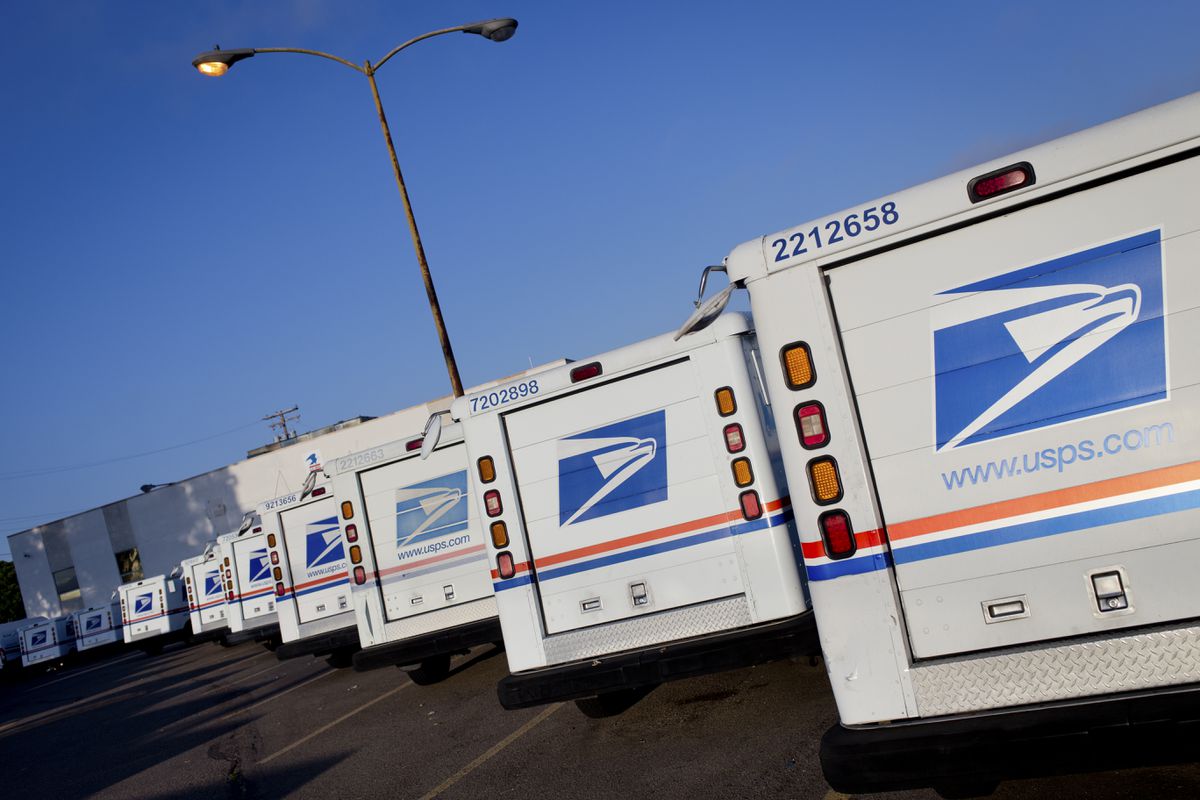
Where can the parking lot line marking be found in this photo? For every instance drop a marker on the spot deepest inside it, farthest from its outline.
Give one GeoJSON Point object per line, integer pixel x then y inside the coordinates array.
{"type": "Point", "coordinates": [493, 750]}
{"type": "Point", "coordinates": [835, 795]}
{"type": "Point", "coordinates": [288, 690]}
{"type": "Point", "coordinates": [340, 719]}
{"type": "Point", "coordinates": [77, 673]}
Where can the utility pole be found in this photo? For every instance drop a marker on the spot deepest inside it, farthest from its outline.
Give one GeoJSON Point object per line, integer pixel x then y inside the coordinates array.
{"type": "Point", "coordinates": [282, 423]}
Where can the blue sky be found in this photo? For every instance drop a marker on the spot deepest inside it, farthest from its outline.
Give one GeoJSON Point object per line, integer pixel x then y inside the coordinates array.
{"type": "Point", "coordinates": [182, 255]}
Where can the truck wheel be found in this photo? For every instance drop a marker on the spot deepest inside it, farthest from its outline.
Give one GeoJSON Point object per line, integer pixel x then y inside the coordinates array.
{"type": "Point", "coordinates": [610, 704]}
{"type": "Point", "coordinates": [153, 648]}
{"type": "Point", "coordinates": [432, 670]}
{"type": "Point", "coordinates": [340, 659]}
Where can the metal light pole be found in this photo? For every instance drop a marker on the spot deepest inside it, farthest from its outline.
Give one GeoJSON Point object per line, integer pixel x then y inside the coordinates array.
{"type": "Point", "coordinates": [217, 62]}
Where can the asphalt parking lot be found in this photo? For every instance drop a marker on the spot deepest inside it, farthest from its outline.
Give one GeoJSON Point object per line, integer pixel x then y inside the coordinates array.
{"type": "Point", "coordinates": [205, 721]}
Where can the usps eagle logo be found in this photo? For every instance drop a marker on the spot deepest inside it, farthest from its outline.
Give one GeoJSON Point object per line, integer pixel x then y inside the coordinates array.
{"type": "Point", "coordinates": [212, 583]}
{"type": "Point", "coordinates": [323, 543]}
{"type": "Point", "coordinates": [92, 623]}
{"type": "Point", "coordinates": [260, 565]}
{"type": "Point", "coordinates": [613, 468]}
{"type": "Point", "coordinates": [431, 509]}
{"type": "Point", "coordinates": [143, 603]}
{"type": "Point", "coordinates": [1063, 340]}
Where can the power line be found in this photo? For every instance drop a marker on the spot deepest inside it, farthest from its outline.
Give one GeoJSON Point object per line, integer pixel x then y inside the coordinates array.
{"type": "Point", "coordinates": [37, 473]}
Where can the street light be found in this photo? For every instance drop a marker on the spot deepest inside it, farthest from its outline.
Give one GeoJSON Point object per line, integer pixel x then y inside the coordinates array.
{"type": "Point", "coordinates": [217, 62]}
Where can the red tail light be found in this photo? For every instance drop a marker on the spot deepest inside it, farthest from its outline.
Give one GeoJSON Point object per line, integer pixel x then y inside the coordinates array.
{"type": "Point", "coordinates": [274, 557]}
{"type": "Point", "coordinates": [1003, 180]}
{"type": "Point", "coordinates": [279, 590]}
{"type": "Point", "coordinates": [360, 575]}
{"type": "Point", "coordinates": [837, 534]}
{"type": "Point", "coordinates": [505, 566]}
{"type": "Point", "coordinates": [810, 423]}
{"type": "Point", "coordinates": [735, 442]}
{"type": "Point", "coordinates": [351, 533]}
{"type": "Point", "coordinates": [256, 530]}
{"type": "Point", "coordinates": [415, 444]}
{"type": "Point", "coordinates": [751, 507]}
{"type": "Point", "coordinates": [229, 597]}
{"type": "Point", "coordinates": [586, 371]}
{"type": "Point", "coordinates": [491, 503]}
{"type": "Point", "coordinates": [318, 491]}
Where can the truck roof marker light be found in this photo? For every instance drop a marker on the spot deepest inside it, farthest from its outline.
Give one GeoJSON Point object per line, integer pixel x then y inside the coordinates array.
{"type": "Point", "coordinates": [735, 442]}
{"type": "Point", "coordinates": [743, 474]}
{"type": "Point", "coordinates": [810, 424]}
{"type": "Point", "coordinates": [505, 565]}
{"type": "Point", "coordinates": [798, 370]}
{"type": "Point", "coordinates": [1001, 181]}
{"type": "Point", "coordinates": [415, 444]}
{"type": "Point", "coordinates": [270, 543]}
{"type": "Point", "coordinates": [355, 554]}
{"type": "Point", "coordinates": [347, 510]}
{"type": "Point", "coordinates": [257, 530]}
{"type": "Point", "coordinates": [279, 589]}
{"type": "Point", "coordinates": [360, 576]}
{"type": "Point", "coordinates": [351, 533]}
{"type": "Point", "coordinates": [582, 373]}
{"type": "Point", "coordinates": [491, 503]}
{"type": "Point", "coordinates": [824, 481]}
{"type": "Point", "coordinates": [320, 490]}
{"type": "Point", "coordinates": [726, 404]}
{"type": "Point", "coordinates": [499, 534]}
{"type": "Point", "coordinates": [487, 469]}
{"type": "Point", "coordinates": [836, 534]}
{"type": "Point", "coordinates": [751, 507]}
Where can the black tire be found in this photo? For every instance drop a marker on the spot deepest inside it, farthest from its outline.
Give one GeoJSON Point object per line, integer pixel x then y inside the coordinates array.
{"type": "Point", "coordinates": [271, 644]}
{"type": "Point", "coordinates": [610, 704]}
{"type": "Point", "coordinates": [340, 659]}
{"type": "Point", "coordinates": [432, 670]}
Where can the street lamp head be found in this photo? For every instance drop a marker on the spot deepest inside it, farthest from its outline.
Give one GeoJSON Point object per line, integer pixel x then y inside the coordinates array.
{"type": "Point", "coordinates": [217, 62]}
{"type": "Point", "coordinates": [498, 30]}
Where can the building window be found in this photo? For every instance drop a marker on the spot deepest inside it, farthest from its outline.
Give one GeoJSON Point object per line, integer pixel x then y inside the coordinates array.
{"type": "Point", "coordinates": [67, 586]}
{"type": "Point", "coordinates": [129, 564]}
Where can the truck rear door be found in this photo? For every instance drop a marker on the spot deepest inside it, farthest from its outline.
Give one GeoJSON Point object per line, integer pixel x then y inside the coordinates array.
{"type": "Point", "coordinates": [622, 507]}
{"type": "Point", "coordinates": [317, 559]}
{"type": "Point", "coordinates": [207, 577]}
{"type": "Point", "coordinates": [257, 588]}
{"type": "Point", "coordinates": [146, 608]}
{"type": "Point", "coordinates": [428, 550]}
{"type": "Point", "coordinates": [1030, 397]}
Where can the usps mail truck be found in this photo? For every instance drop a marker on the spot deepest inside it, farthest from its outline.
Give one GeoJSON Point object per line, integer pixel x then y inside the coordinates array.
{"type": "Point", "coordinates": [10, 641]}
{"type": "Point", "coordinates": [249, 586]}
{"type": "Point", "coordinates": [421, 589]}
{"type": "Point", "coordinates": [48, 640]}
{"type": "Point", "coordinates": [154, 611]}
{"type": "Point", "coordinates": [309, 573]}
{"type": "Point", "coordinates": [988, 397]}
{"type": "Point", "coordinates": [638, 530]}
{"type": "Point", "coordinates": [205, 593]}
{"type": "Point", "coordinates": [97, 626]}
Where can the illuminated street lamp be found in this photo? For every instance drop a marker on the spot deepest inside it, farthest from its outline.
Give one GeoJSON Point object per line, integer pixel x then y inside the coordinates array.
{"type": "Point", "coordinates": [217, 62]}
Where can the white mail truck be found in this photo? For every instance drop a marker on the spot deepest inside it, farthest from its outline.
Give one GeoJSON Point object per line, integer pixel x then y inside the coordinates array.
{"type": "Point", "coordinates": [48, 640]}
{"type": "Point", "coordinates": [10, 641]}
{"type": "Point", "coordinates": [311, 581]}
{"type": "Point", "coordinates": [638, 529]}
{"type": "Point", "coordinates": [154, 611]}
{"type": "Point", "coordinates": [249, 586]}
{"type": "Point", "coordinates": [97, 626]}
{"type": "Point", "coordinates": [205, 593]}
{"type": "Point", "coordinates": [987, 390]}
{"type": "Point", "coordinates": [421, 589]}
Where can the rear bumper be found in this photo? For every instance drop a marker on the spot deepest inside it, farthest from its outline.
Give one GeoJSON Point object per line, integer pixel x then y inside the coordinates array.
{"type": "Point", "coordinates": [794, 636]}
{"type": "Point", "coordinates": [320, 644]}
{"type": "Point", "coordinates": [418, 648]}
{"type": "Point", "coordinates": [1113, 733]}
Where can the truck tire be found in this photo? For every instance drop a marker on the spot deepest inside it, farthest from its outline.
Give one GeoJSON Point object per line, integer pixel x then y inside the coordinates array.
{"type": "Point", "coordinates": [432, 670]}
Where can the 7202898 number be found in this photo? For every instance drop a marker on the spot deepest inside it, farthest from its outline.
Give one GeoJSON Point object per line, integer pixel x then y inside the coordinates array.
{"type": "Point", "coordinates": [506, 394]}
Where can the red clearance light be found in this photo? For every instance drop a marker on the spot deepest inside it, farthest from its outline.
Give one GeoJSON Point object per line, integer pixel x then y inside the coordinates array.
{"type": "Point", "coordinates": [360, 575]}
{"type": "Point", "coordinates": [586, 371]}
{"type": "Point", "coordinates": [505, 566]}
{"type": "Point", "coordinates": [734, 441]}
{"type": "Point", "coordinates": [274, 557]}
{"type": "Point", "coordinates": [837, 534]}
{"type": "Point", "coordinates": [1003, 180]}
{"type": "Point", "coordinates": [257, 530]}
{"type": "Point", "coordinates": [415, 444]}
{"type": "Point", "coordinates": [351, 533]}
{"type": "Point", "coordinates": [491, 503]}
{"type": "Point", "coordinates": [318, 491]}
{"type": "Point", "coordinates": [279, 590]}
{"type": "Point", "coordinates": [751, 507]}
{"type": "Point", "coordinates": [229, 597]}
{"type": "Point", "coordinates": [810, 424]}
